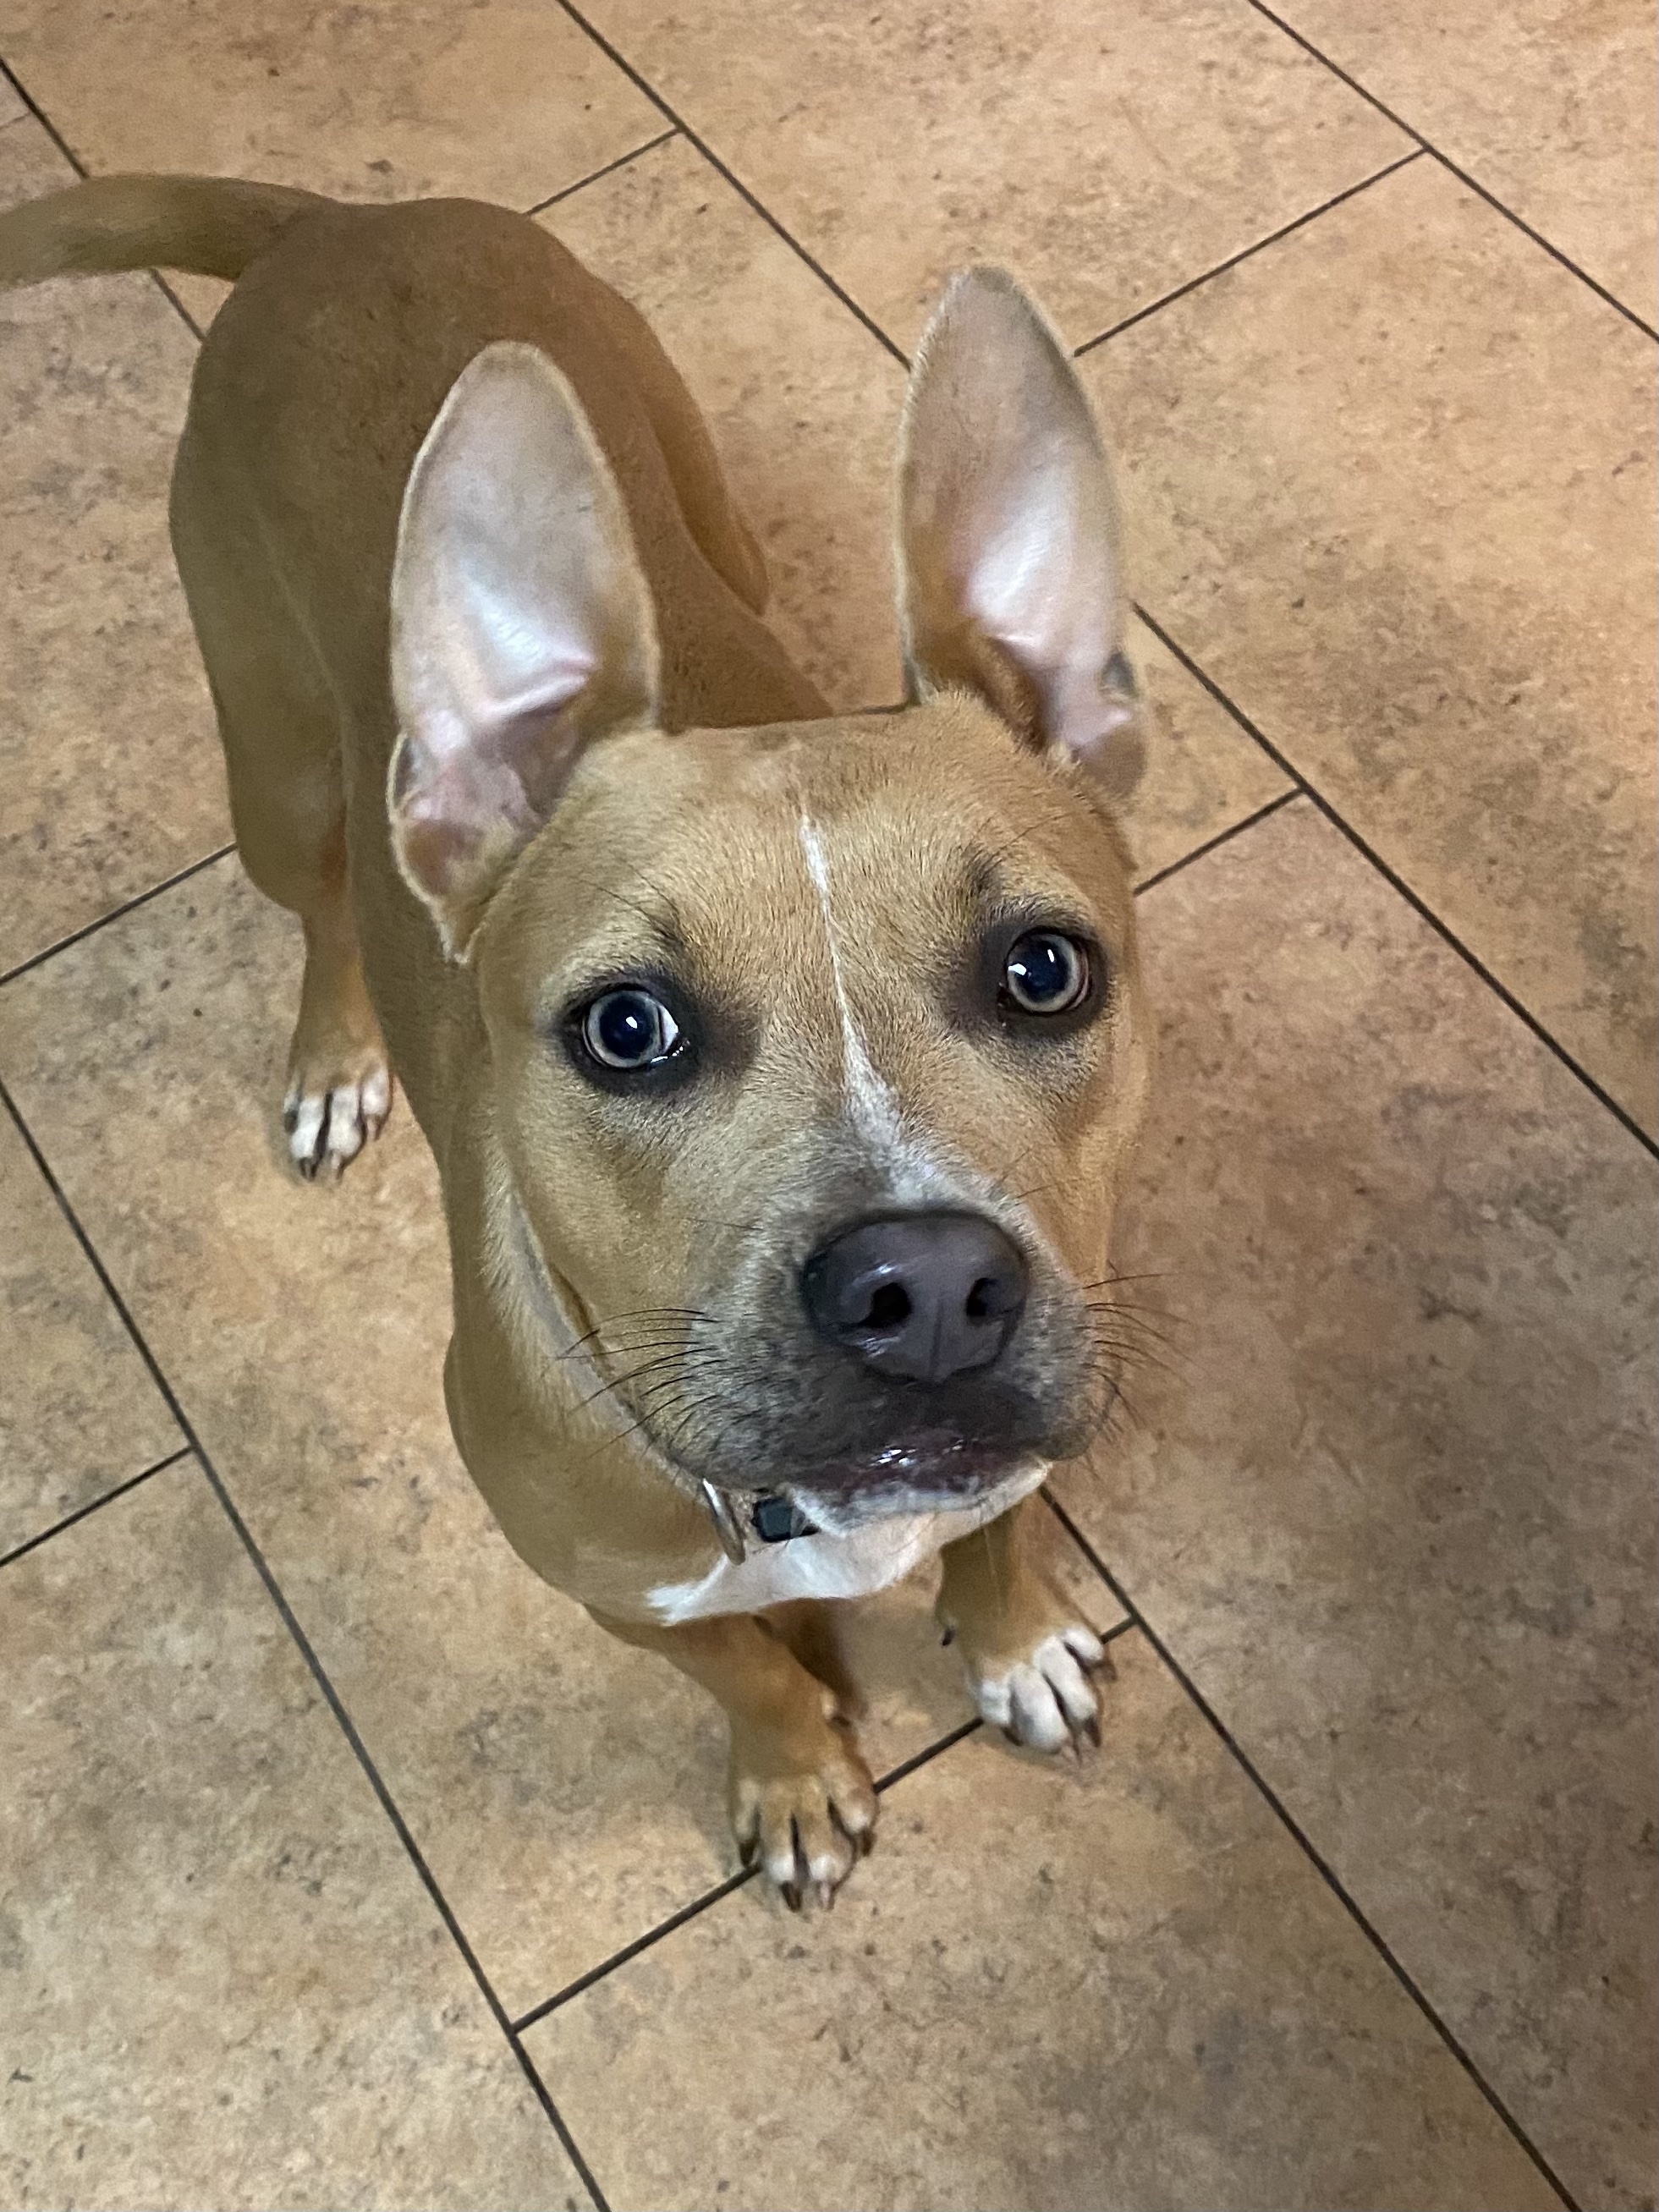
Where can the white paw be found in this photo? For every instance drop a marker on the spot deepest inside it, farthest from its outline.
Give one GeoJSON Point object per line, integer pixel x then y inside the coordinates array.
{"type": "Point", "coordinates": [327, 1129]}
{"type": "Point", "coordinates": [1047, 1699]}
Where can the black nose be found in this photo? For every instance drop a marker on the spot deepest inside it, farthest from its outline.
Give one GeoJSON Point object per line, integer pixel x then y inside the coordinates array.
{"type": "Point", "coordinates": [919, 1295]}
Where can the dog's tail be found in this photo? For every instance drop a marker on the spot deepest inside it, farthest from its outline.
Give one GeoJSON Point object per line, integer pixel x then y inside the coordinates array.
{"type": "Point", "coordinates": [210, 226]}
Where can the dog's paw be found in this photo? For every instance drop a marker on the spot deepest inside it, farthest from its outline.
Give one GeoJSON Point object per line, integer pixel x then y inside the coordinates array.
{"type": "Point", "coordinates": [1046, 1699]}
{"type": "Point", "coordinates": [805, 1823]}
{"type": "Point", "coordinates": [328, 1118]}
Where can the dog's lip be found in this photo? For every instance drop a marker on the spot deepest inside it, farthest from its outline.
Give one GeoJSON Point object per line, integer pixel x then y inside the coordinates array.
{"type": "Point", "coordinates": [941, 1459]}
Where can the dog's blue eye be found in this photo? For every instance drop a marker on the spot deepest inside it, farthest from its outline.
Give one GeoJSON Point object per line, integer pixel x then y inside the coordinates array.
{"type": "Point", "coordinates": [1046, 973]}
{"type": "Point", "coordinates": [629, 1029]}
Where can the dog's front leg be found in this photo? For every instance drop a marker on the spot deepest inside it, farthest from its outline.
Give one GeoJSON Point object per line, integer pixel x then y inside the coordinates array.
{"type": "Point", "coordinates": [802, 1801]}
{"type": "Point", "coordinates": [1028, 1653]}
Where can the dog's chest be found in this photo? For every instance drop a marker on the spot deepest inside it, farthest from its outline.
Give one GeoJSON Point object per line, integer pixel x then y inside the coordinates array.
{"type": "Point", "coordinates": [825, 1565]}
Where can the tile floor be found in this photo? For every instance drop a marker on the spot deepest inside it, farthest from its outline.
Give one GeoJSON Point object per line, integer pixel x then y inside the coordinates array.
{"type": "Point", "coordinates": [343, 1864]}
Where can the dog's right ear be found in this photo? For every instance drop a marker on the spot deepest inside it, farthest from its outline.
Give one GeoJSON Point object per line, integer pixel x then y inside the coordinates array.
{"type": "Point", "coordinates": [522, 629]}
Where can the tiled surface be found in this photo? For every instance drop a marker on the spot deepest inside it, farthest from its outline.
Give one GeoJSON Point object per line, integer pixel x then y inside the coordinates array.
{"type": "Point", "coordinates": [1394, 1505]}
{"type": "Point", "coordinates": [1392, 482]}
{"type": "Point", "coordinates": [1389, 1500]}
{"type": "Point", "coordinates": [109, 764]}
{"type": "Point", "coordinates": [221, 1980]}
{"type": "Point", "coordinates": [1109, 153]}
{"type": "Point", "coordinates": [1549, 104]}
{"type": "Point", "coordinates": [384, 99]}
{"type": "Point", "coordinates": [1116, 1995]}
{"type": "Point", "coordinates": [78, 1410]}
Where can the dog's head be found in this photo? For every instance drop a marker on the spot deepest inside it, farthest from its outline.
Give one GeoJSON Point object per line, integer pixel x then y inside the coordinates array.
{"type": "Point", "coordinates": [817, 1050]}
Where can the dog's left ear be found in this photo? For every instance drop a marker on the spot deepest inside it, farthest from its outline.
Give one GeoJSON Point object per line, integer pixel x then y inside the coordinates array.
{"type": "Point", "coordinates": [522, 629]}
{"type": "Point", "coordinates": [1010, 578]}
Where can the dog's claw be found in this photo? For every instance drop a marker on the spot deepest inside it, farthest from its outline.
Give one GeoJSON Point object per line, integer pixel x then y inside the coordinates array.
{"type": "Point", "coordinates": [1092, 1730]}
{"type": "Point", "coordinates": [949, 1636]}
{"type": "Point", "coordinates": [790, 1895]}
{"type": "Point", "coordinates": [749, 1851]}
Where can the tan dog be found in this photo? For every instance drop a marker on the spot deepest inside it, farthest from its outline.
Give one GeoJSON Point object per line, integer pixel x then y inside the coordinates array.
{"type": "Point", "coordinates": [781, 1069]}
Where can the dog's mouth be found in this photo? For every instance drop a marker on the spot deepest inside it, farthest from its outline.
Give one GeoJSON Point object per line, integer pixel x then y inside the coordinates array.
{"type": "Point", "coordinates": [936, 1473]}
{"type": "Point", "coordinates": [940, 1462]}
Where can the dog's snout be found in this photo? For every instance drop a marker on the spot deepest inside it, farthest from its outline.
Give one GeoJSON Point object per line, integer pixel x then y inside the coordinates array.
{"type": "Point", "coordinates": [920, 1295]}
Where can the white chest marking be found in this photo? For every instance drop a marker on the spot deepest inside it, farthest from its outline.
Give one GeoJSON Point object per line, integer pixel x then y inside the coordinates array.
{"type": "Point", "coordinates": [856, 1564]}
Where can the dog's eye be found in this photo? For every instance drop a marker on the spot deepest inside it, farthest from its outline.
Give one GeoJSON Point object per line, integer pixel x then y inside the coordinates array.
{"type": "Point", "coordinates": [1046, 973]}
{"type": "Point", "coordinates": [629, 1031]}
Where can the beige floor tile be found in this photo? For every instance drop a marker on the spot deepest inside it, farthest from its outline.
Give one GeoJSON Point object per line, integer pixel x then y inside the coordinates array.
{"type": "Point", "coordinates": [108, 760]}
{"type": "Point", "coordinates": [1549, 104]}
{"type": "Point", "coordinates": [1122, 1988]}
{"type": "Point", "coordinates": [567, 1792]}
{"type": "Point", "coordinates": [1396, 1510]}
{"type": "Point", "coordinates": [221, 1980]}
{"type": "Point", "coordinates": [11, 108]}
{"type": "Point", "coordinates": [1106, 155]}
{"type": "Point", "coordinates": [1391, 482]}
{"type": "Point", "coordinates": [78, 1411]}
{"type": "Point", "coordinates": [383, 99]}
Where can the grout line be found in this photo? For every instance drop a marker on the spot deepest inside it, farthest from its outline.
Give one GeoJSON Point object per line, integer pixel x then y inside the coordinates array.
{"type": "Point", "coordinates": [43, 119]}
{"type": "Point", "coordinates": [1398, 882]}
{"type": "Point", "coordinates": [105, 1498]}
{"type": "Point", "coordinates": [643, 84]}
{"type": "Point", "coordinates": [607, 169]}
{"type": "Point", "coordinates": [331, 1695]}
{"type": "Point", "coordinates": [1232, 261]}
{"type": "Point", "coordinates": [177, 306]}
{"type": "Point", "coordinates": [127, 906]}
{"type": "Point", "coordinates": [1332, 1880]}
{"type": "Point", "coordinates": [1221, 837]}
{"type": "Point", "coordinates": [1446, 162]}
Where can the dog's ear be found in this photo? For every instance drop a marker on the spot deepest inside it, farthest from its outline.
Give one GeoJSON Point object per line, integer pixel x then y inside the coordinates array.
{"type": "Point", "coordinates": [1010, 582]}
{"type": "Point", "coordinates": [522, 629]}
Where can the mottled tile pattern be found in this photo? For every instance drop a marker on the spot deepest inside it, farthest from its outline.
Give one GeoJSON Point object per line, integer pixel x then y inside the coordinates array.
{"type": "Point", "coordinates": [221, 1980]}
{"type": "Point", "coordinates": [78, 1410]}
{"type": "Point", "coordinates": [1115, 1996]}
{"type": "Point", "coordinates": [1108, 156]}
{"type": "Point", "coordinates": [109, 764]}
{"type": "Point", "coordinates": [567, 1792]}
{"type": "Point", "coordinates": [1383, 1485]}
{"type": "Point", "coordinates": [382, 99]}
{"type": "Point", "coordinates": [1392, 482]}
{"type": "Point", "coordinates": [1547, 103]}
{"type": "Point", "coordinates": [1393, 1503]}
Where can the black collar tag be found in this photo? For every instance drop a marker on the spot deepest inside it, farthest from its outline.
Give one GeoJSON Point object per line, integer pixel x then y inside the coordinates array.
{"type": "Point", "coordinates": [776, 1520]}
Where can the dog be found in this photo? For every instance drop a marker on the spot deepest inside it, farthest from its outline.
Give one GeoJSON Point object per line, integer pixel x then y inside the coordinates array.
{"type": "Point", "coordinates": [781, 1067]}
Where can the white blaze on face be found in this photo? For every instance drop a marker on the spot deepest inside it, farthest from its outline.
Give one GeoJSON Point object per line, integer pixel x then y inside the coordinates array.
{"type": "Point", "coordinates": [873, 1108]}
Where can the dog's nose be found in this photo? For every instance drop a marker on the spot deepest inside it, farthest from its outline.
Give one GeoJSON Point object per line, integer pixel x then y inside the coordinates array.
{"type": "Point", "coordinates": [924, 1296]}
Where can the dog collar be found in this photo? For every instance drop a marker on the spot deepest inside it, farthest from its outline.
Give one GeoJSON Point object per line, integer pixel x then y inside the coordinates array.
{"type": "Point", "coordinates": [776, 1520]}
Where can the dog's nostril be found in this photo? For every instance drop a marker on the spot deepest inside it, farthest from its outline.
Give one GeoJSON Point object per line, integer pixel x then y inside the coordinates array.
{"type": "Point", "coordinates": [983, 1299]}
{"type": "Point", "coordinates": [890, 1308]}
